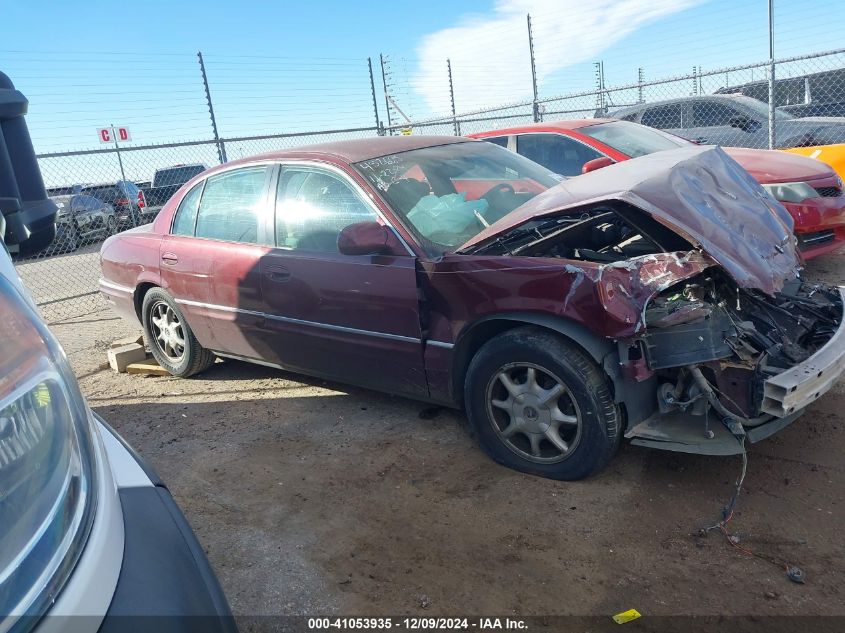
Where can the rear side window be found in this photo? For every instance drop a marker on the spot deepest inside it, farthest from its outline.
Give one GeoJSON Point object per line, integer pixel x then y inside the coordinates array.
{"type": "Point", "coordinates": [663, 117]}
{"type": "Point", "coordinates": [559, 153]}
{"type": "Point", "coordinates": [501, 141]}
{"type": "Point", "coordinates": [232, 206]}
{"type": "Point", "coordinates": [710, 114]}
{"type": "Point", "coordinates": [186, 214]}
{"type": "Point", "coordinates": [176, 175]}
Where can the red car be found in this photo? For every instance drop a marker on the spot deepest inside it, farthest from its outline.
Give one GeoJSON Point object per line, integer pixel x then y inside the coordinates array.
{"type": "Point", "coordinates": [656, 298]}
{"type": "Point", "coordinates": [809, 189]}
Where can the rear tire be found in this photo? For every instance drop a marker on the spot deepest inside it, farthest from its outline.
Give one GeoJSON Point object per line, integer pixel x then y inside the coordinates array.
{"type": "Point", "coordinates": [538, 404]}
{"type": "Point", "coordinates": [72, 241]}
{"type": "Point", "coordinates": [170, 338]}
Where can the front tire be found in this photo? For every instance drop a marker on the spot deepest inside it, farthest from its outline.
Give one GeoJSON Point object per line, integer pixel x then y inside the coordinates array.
{"type": "Point", "coordinates": [540, 405]}
{"type": "Point", "coordinates": [170, 338]}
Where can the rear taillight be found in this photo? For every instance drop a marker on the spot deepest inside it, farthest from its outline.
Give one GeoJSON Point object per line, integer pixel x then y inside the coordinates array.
{"type": "Point", "coordinates": [142, 201]}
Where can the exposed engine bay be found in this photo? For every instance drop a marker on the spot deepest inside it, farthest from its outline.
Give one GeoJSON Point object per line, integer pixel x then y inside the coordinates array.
{"type": "Point", "coordinates": [737, 338]}
{"type": "Point", "coordinates": [737, 357]}
{"type": "Point", "coordinates": [605, 234]}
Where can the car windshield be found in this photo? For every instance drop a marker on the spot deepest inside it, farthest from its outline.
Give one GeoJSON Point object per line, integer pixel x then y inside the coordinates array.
{"type": "Point", "coordinates": [632, 139]}
{"type": "Point", "coordinates": [760, 109]}
{"type": "Point", "coordinates": [447, 194]}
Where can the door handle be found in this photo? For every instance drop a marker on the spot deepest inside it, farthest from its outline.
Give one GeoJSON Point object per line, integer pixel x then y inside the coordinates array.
{"type": "Point", "coordinates": [169, 258]}
{"type": "Point", "coordinates": [278, 273]}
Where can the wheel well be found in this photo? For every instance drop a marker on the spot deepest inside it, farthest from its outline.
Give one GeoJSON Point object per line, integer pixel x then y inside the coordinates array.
{"type": "Point", "coordinates": [140, 293]}
{"type": "Point", "coordinates": [468, 344]}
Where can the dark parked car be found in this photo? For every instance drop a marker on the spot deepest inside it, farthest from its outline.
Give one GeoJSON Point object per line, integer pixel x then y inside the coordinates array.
{"type": "Point", "coordinates": [167, 181]}
{"type": "Point", "coordinates": [809, 189]}
{"type": "Point", "coordinates": [733, 121]}
{"type": "Point", "coordinates": [81, 220]}
{"type": "Point", "coordinates": [129, 202]}
{"type": "Point", "coordinates": [816, 94]}
{"type": "Point", "coordinates": [656, 298]}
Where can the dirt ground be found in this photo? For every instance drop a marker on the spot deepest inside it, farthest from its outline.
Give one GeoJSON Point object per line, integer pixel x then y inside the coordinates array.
{"type": "Point", "coordinates": [314, 498]}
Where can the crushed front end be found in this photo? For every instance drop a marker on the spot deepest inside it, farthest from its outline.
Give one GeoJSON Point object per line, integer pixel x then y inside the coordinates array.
{"type": "Point", "coordinates": [734, 363]}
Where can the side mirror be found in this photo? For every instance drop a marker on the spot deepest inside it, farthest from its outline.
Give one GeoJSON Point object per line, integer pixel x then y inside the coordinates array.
{"type": "Point", "coordinates": [596, 163]}
{"type": "Point", "coordinates": [740, 121]}
{"type": "Point", "coordinates": [364, 238]}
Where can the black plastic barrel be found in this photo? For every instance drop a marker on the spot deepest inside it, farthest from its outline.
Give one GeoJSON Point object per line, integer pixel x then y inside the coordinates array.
{"type": "Point", "coordinates": [27, 215]}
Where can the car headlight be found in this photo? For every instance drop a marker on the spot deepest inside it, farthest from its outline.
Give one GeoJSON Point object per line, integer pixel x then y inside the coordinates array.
{"type": "Point", "coordinates": [47, 465]}
{"type": "Point", "coordinates": [791, 191]}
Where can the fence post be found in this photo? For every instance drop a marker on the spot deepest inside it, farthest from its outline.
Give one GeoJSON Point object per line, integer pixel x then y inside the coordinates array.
{"type": "Point", "coordinates": [117, 151]}
{"type": "Point", "coordinates": [373, 91]}
{"type": "Point", "coordinates": [221, 148]}
{"type": "Point", "coordinates": [386, 100]}
{"type": "Point", "coordinates": [772, 130]}
{"type": "Point", "coordinates": [452, 97]}
{"type": "Point", "coordinates": [640, 80]}
{"type": "Point", "coordinates": [536, 104]}
{"type": "Point", "coordinates": [600, 99]}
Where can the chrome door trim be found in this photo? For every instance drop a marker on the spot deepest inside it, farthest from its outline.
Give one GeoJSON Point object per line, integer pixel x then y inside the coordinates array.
{"type": "Point", "coordinates": [325, 326]}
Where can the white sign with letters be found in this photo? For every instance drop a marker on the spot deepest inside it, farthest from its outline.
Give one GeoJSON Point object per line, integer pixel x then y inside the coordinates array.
{"type": "Point", "coordinates": [114, 134]}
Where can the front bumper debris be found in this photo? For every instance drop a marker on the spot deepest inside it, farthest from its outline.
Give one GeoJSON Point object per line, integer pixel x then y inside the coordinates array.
{"type": "Point", "coordinates": [799, 386]}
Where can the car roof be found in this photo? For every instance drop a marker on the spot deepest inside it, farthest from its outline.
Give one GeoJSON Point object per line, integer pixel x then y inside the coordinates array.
{"type": "Point", "coordinates": [572, 124]}
{"type": "Point", "coordinates": [356, 150]}
{"type": "Point", "coordinates": [650, 104]}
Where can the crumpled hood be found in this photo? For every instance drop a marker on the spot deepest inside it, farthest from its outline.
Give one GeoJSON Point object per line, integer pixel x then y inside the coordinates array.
{"type": "Point", "coordinates": [698, 192]}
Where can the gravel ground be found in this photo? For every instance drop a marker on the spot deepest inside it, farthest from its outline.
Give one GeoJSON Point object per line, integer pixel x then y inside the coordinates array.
{"type": "Point", "coordinates": [315, 498]}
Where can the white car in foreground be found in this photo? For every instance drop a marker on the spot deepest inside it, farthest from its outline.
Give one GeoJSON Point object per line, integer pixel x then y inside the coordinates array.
{"type": "Point", "coordinates": [90, 539]}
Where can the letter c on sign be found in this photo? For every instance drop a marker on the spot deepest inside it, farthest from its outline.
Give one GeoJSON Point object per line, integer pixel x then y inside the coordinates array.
{"type": "Point", "coordinates": [105, 135]}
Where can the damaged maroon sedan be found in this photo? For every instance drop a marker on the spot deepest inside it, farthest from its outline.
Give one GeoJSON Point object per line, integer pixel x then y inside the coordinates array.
{"type": "Point", "coordinates": [657, 299]}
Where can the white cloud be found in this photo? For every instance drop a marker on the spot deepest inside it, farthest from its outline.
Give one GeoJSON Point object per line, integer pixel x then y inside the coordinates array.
{"type": "Point", "coordinates": [489, 53]}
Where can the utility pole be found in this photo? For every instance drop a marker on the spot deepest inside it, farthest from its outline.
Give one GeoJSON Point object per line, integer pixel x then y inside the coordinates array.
{"type": "Point", "coordinates": [221, 149]}
{"type": "Point", "coordinates": [373, 91]}
{"type": "Point", "coordinates": [452, 96]}
{"type": "Point", "coordinates": [772, 130]}
{"type": "Point", "coordinates": [386, 98]}
{"type": "Point", "coordinates": [536, 103]}
{"type": "Point", "coordinates": [695, 80]}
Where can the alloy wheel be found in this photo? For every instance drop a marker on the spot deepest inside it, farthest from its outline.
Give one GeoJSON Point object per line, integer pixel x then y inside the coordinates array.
{"type": "Point", "coordinates": [168, 334]}
{"type": "Point", "coordinates": [533, 413]}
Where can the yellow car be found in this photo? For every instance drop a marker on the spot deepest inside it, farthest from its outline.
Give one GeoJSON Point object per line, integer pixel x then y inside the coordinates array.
{"type": "Point", "coordinates": [833, 155]}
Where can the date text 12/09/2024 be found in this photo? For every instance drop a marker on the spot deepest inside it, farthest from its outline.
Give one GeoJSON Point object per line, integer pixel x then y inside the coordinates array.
{"type": "Point", "coordinates": [417, 624]}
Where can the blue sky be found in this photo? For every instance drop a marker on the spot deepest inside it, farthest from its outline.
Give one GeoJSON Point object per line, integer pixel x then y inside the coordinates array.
{"type": "Point", "coordinates": [301, 66]}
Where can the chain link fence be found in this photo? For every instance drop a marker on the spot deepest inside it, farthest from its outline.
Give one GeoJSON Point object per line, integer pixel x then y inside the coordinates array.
{"type": "Point", "coordinates": [103, 191]}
